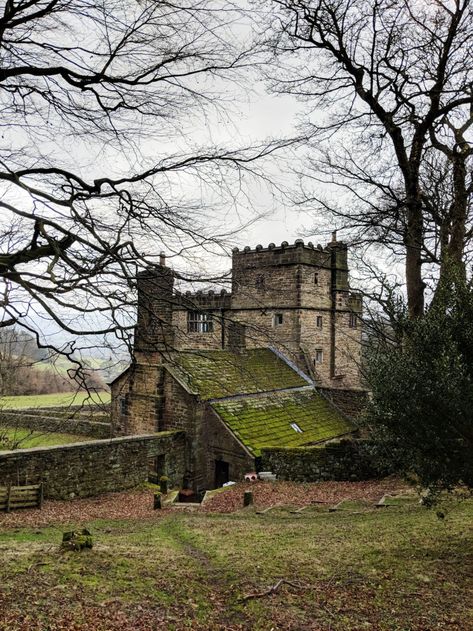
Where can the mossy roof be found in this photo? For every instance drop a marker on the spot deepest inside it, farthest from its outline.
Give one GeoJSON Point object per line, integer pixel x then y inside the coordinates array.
{"type": "Point", "coordinates": [218, 374]}
{"type": "Point", "coordinates": [265, 420]}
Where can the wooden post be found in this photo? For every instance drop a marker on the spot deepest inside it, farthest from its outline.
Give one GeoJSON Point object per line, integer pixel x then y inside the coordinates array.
{"type": "Point", "coordinates": [40, 496]}
{"type": "Point", "coordinates": [157, 501]}
{"type": "Point", "coordinates": [248, 498]}
{"type": "Point", "coordinates": [7, 506]}
{"type": "Point", "coordinates": [163, 484]}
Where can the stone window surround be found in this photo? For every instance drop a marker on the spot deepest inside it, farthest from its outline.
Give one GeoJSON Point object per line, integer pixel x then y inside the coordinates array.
{"type": "Point", "coordinates": [199, 322]}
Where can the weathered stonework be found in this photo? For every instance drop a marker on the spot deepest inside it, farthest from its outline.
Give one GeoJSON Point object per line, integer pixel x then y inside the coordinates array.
{"type": "Point", "coordinates": [344, 460]}
{"type": "Point", "coordinates": [91, 468]}
{"type": "Point", "coordinates": [294, 299]}
{"type": "Point", "coordinates": [44, 423]}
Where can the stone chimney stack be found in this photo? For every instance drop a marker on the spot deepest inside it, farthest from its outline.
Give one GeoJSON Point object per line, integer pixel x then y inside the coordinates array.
{"type": "Point", "coordinates": [154, 333]}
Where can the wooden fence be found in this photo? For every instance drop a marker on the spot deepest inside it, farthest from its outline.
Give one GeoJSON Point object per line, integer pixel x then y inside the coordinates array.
{"type": "Point", "coordinates": [13, 497]}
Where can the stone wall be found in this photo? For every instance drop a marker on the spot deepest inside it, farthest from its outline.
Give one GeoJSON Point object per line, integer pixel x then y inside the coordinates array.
{"type": "Point", "coordinates": [343, 460]}
{"type": "Point", "coordinates": [137, 400]}
{"type": "Point", "coordinates": [43, 423]}
{"type": "Point", "coordinates": [221, 445]}
{"type": "Point", "coordinates": [91, 468]}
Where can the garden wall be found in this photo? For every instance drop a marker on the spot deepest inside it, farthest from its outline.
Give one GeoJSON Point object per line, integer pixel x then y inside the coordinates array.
{"type": "Point", "coordinates": [42, 422]}
{"type": "Point", "coordinates": [91, 468]}
{"type": "Point", "coordinates": [343, 460]}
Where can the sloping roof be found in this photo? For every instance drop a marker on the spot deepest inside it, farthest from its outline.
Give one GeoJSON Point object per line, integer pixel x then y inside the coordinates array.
{"type": "Point", "coordinates": [218, 374]}
{"type": "Point", "coordinates": [265, 420]}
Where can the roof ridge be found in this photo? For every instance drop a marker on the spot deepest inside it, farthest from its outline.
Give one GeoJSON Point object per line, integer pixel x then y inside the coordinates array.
{"type": "Point", "coordinates": [260, 394]}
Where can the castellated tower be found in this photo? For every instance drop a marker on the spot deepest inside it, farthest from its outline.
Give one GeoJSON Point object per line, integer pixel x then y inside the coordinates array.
{"type": "Point", "coordinates": [297, 298]}
{"type": "Point", "coordinates": [294, 298]}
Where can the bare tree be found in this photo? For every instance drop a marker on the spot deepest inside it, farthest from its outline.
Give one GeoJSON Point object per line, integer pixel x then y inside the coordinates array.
{"type": "Point", "coordinates": [17, 353]}
{"type": "Point", "coordinates": [389, 83]}
{"type": "Point", "coordinates": [97, 157]}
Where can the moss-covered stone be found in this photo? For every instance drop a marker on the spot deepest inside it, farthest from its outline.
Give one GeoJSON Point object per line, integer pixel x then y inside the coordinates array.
{"type": "Point", "coordinates": [282, 419]}
{"type": "Point", "coordinates": [218, 374]}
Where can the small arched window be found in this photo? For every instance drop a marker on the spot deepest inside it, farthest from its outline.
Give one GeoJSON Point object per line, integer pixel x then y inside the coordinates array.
{"type": "Point", "coordinates": [316, 278]}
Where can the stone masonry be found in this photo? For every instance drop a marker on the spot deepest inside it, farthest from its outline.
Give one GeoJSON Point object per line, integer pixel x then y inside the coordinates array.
{"type": "Point", "coordinates": [295, 299]}
{"type": "Point", "coordinates": [100, 466]}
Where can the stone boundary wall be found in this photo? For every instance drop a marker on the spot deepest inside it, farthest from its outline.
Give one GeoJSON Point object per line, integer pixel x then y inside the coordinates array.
{"type": "Point", "coordinates": [91, 468]}
{"type": "Point", "coordinates": [44, 423]}
{"type": "Point", "coordinates": [342, 460]}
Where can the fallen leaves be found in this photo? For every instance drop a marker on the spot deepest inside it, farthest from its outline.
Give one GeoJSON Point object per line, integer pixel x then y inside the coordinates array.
{"type": "Point", "coordinates": [295, 494]}
{"type": "Point", "coordinates": [138, 504]}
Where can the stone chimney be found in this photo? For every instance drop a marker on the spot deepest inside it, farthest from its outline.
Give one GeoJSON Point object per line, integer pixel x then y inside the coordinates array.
{"type": "Point", "coordinates": [236, 337]}
{"type": "Point", "coordinates": [154, 333]}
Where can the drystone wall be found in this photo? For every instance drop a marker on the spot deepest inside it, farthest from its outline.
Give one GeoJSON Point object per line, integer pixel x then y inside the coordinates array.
{"type": "Point", "coordinates": [343, 460]}
{"type": "Point", "coordinates": [91, 468]}
{"type": "Point", "coordinates": [42, 422]}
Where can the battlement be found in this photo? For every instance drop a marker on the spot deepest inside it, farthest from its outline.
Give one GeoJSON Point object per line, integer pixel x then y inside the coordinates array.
{"type": "Point", "coordinates": [203, 300]}
{"type": "Point", "coordinates": [290, 254]}
{"type": "Point", "coordinates": [295, 297]}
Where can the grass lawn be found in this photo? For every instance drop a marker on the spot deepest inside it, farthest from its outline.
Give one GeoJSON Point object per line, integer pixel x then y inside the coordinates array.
{"type": "Point", "coordinates": [393, 569]}
{"type": "Point", "coordinates": [26, 438]}
{"type": "Point", "coordinates": [62, 399]}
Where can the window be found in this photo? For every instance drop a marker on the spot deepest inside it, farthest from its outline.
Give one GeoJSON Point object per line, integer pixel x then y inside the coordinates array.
{"type": "Point", "coordinates": [198, 322]}
{"type": "Point", "coordinates": [319, 322]}
{"type": "Point", "coordinates": [353, 321]}
{"type": "Point", "coordinates": [259, 282]}
{"type": "Point", "coordinates": [296, 428]}
{"type": "Point", "coordinates": [278, 319]}
{"type": "Point", "coordinates": [319, 356]}
{"type": "Point", "coordinates": [316, 278]}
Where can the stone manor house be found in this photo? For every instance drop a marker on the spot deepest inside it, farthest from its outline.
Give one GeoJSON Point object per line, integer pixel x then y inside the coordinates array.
{"type": "Point", "coordinates": [273, 363]}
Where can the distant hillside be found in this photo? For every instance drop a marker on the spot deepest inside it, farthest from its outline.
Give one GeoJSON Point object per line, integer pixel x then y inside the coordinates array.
{"type": "Point", "coordinates": [26, 369]}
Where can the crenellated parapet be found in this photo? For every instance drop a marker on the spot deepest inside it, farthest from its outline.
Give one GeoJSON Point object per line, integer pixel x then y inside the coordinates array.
{"type": "Point", "coordinates": [203, 300]}
{"type": "Point", "coordinates": [298, 252]}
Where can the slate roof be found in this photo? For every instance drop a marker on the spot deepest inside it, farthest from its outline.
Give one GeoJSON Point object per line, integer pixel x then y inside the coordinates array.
{"type": "Point", "coordinates": [218, 374]}
{"type": "Point", "coordinates": [265, 420]}
{"type": "Point", "coordinates": [258, 395]}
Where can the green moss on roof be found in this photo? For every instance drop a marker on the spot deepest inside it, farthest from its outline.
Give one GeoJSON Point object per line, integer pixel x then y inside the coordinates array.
{"type": "Point", "coordinates": [217, 374]}
{"type": "Point", "coordinates": [265, 421]}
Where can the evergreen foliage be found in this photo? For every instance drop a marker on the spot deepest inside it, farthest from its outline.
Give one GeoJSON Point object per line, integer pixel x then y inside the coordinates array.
{"type": "Point", "coordinates": [421, 410]}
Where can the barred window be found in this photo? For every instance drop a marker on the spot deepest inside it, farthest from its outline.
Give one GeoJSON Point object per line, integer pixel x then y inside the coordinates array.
{"type": "Point", "coordinates": [353, 322]}
{"type": "Point", "coordinates": [198, 322]}
{"type": "Point", "coordinates": [319, 322]}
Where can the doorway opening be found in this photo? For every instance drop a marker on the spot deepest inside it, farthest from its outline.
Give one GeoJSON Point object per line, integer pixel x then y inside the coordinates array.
{"type": "Point", "coordinates": [222, 473]}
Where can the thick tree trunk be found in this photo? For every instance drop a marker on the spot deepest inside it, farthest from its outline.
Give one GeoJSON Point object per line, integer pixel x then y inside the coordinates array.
{"type": "Point", "coordinates": [458, 216]}
{"type": "Point", "coordinates": [413, 242]}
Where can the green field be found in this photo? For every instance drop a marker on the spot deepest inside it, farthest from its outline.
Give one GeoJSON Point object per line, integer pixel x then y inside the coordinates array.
{"type": "Point", "coordinates": [25, 438]}
{"type": "Point", "coordinates": [392, 569]}
{"type": "Point", "coordinates": [62, 399]}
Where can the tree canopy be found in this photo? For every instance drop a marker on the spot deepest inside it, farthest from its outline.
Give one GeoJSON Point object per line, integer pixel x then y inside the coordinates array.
{"type": "Point", "coordinates": [100, 167]}
{"type": "Point", "coordinates": [422, 392]}
{"type": "Point", "coordinates": [390, 107]}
